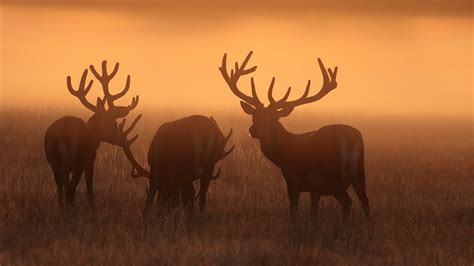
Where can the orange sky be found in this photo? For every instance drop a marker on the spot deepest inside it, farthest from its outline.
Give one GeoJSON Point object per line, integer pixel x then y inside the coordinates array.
{"type": "Point", "coordinates": [405, 62]}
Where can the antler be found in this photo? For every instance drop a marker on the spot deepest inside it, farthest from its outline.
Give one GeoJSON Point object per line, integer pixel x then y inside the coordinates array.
{"type": "Point", "coordinates": [82, 91]}
{"type": "Point", "coordinates": [224, 143]}
{"type": "Point", "coordinates": [137, 169]}
{"type": "Point", "coordinates": [329, 83]}
{"type": "Point", "coordinates": [224, 152]}
{"type": "Point", "coordinates": [118, 111]}
{"type": "Point", "coordinates": [234, 76]}
{"type": "Point", "coordinates": [224, 140]}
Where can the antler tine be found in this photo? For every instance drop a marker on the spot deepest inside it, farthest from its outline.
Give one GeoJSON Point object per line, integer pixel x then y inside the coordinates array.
{"type": "Point", "coordinates": [254, 90]}
{"type": "Point", "coordinates": [114, 72]}
{"type": "Point", "coordinates": [132, 140]}
{"type": "Point", "coordinates": [104, 78]}
{"type": "Point", "coordinates": [123, 92]}
{"type": "Point", "coordinates": [137, 169]}
{"type": "Point", "coordinates": [225, 153]}
{"type": "Point", "coordinates": [329, 83]}
{"type": "Point", "coordinates": [270, 92]}
{"type": "Point", "coordinates": [134, 102]}
{"type": "Point", "coordinates": [234, 76]}
{"type": "Point", "coordinates": [214, 177]}
{"type": "Point", "coordinates": [227, 138]}
{"type": "Point", "coordinates": [132, 126]}
{"type": "Point", "coordinates": [82, 91]}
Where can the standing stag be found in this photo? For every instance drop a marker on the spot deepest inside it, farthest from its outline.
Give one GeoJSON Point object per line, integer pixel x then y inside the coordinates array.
{"type": "Point", "coordinates": [181, 151]}
{"type": "Point", "coordinates": [71, 144]}
{"type": "Point", "coordinates": [323, 162]}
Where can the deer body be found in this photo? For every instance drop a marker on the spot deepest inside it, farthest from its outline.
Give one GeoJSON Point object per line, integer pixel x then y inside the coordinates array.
{"type": "Point", "coordinates": [181, 152]}
{"type": "Point", "coordinates": [71, 144]}
{"type": "Point", "coordinates": [322, 162]}
{"type": "Point", "coordinates": [71, 149]}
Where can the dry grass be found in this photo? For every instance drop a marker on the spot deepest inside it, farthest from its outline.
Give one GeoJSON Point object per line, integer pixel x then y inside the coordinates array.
{"type": "Point", "coordinates": [420, 184]}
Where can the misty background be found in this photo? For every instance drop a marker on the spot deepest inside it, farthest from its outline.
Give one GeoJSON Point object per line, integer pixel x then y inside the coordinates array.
{"type": "Point", "coordinates": [395, 57]}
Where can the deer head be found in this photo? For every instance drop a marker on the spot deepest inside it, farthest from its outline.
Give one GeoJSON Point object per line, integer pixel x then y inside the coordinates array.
{"type": "Point", "coordinates": [266, 119]}
{"type": "Point", "coordinates": [103, 122]}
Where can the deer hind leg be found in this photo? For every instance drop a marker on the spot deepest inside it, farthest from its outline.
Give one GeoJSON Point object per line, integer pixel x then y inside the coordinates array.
{"type": "Point", "coordinates": [204, 186]}
{"type": "Point", "coordinates": [71, 186]}
{"type": "Point", "coordinates": [89, 173]}
{"type": "Point", "coordinates": [359, 188]}
{"type": "Point", "coordinates": [346, 202]}
{"type": "Point", "coordinates": [59, 178]}
{"type": "Point", "coordinates": [151, 192]}
{"type": "Point", "coordinates": [187, 198]}
{"type": "Point", "coordinates": [294, 197]}
{"type": "Point", "coordinates": [314, 207]}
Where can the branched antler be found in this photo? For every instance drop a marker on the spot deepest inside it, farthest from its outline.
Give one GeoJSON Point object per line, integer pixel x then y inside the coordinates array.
{"type": "Point", "coordinates": [82, 91]}
{"type": "Point", "coordinates": [137, 169]}
{"type": "Point", "coordinates": [105, 78]}
{"type": "Point", "coordinates": [329, 83]}
{"type": "Point", "coordinates": [234, 76]}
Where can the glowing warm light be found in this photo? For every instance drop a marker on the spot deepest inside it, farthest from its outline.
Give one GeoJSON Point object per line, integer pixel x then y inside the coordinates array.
{"type": "Point", "coordinates": [388, 64]}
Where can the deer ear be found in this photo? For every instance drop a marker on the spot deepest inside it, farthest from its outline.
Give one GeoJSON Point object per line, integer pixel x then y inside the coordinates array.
{"type": "Point", "coordinates": [285, 111]}
{"type": "Point", "coordinates": [100, 105]}
{"type": "Point", "coordinates": [248, 109]}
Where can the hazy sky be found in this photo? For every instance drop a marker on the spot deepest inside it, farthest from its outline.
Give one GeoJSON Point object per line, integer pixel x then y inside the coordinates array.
{"type": "Point", "coordinates": [394, 56]}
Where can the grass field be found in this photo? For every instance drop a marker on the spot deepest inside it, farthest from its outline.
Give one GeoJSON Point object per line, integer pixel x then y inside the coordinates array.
{"type": "Point", "coordinates": [419, 180]}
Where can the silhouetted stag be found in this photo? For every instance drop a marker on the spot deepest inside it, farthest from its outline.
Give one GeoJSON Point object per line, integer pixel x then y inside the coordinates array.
{"type": "Point", "coordinates": [71, 144]}
{"type": "Point", "coordinates": [323, 162]}
{"type": "Point", "coordinates": [181, 151]}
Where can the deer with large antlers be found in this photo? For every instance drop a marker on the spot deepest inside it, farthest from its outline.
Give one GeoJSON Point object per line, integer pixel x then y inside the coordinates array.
{"type": "Point", "coordinates": [322, 162]}
{"type": "Point", "coordinates": [181, 151]}
{"type": "Point", "coordinates": [71, 143]}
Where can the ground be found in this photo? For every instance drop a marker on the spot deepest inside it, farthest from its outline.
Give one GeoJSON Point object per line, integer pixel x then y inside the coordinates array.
{"type": "Point", "coordinates": [419, 183]}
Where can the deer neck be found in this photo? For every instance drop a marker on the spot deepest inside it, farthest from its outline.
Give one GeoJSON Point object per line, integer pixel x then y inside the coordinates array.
{"type": "Point", "coordinates": [93, 137]}
{"type": "Point", "coordinates": [274, 147]}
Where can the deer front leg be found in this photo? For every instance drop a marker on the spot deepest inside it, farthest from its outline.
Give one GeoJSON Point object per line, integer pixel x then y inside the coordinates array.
{"type": "Point", "coordinates": [314, 207]}
{"type": "Point", "coordinates": [89, 173]}
{"type": "Point", "coordinates": [204, 185]}
{"type": "Point", "coordinates": [151, 193]}
{"type": "Point", "coordinates": [346, 202]}
{"type": "Point", "coordinates": [294, 197]}
{"type": "Point", "coordinates": [60, 177]}
{"type": "Point", "coordinates": [187, 198]}
{"type": "Point", "coordinates": [71, 188]}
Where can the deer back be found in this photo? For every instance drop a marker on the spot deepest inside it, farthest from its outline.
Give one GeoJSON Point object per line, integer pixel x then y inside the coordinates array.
{"type": "Point", "coordinates": [69, 143]}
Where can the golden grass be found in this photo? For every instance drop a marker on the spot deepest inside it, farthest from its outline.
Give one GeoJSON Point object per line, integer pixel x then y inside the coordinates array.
{"type": "Point", "coordinates": [419, 181]}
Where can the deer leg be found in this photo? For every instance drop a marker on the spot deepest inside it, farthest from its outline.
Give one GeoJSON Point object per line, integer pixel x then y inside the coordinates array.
{"type": "Point", "coordinates": [314, 206]}
{"type": "Point", "coordinates": [294, 197]}
{"type": "Point", "coordinates": [359, 187]}
{"type": "Point", "coordinates": [346, 202]}
{"type": "Point", "coordinates": [187, 198]}
{"type": "Point", "coordinates": [89, 173]}
{"type": "Point", "coordinates": [204, 185]}
{"type": "Point", "coordinates": [59, 177]}
{"type": "Point", "coordinates": [71, 186]}
{"type": "Point", "coordinates": [151, 193]}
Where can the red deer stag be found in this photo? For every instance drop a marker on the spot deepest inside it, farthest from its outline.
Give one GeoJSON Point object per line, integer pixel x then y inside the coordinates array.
{"type": "Point", "coordinates": [71, 144]}
{"type": "Point", "coordinates": [181, 151]}
{"type": "Point", "coordinates": [322, 162]}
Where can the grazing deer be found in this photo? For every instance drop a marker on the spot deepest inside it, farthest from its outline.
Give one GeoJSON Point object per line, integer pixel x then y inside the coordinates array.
{"type": "Point", "coordinates": [71, 144]}
{"type": "Point", "coordinates": [323, 162]}
{"type": "Point", "coordinates": [181, 151]}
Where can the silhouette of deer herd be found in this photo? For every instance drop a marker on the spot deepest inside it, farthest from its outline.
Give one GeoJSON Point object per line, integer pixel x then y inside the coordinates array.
{"type": "Point", "coordinates": [326, 161]}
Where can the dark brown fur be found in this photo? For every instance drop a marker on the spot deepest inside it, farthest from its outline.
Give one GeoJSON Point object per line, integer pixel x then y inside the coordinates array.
{"type": "Point", "coordinates": [181, 152]}
{"type": "Point", "coordinates": [71, 144]}
{"type": "Point", "coordinates": [322, 162]}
